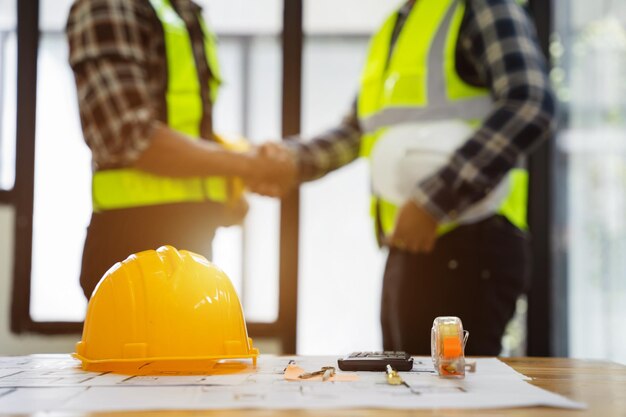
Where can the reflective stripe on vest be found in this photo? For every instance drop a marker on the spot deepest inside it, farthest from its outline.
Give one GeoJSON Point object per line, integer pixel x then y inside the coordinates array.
{"type": "Point", "coordinates": [419, 82]}
{"type": "Point", "coordinates": [127, 187]}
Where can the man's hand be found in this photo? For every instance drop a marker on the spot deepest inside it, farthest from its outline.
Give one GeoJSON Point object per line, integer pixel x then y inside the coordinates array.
{"type": "Point", "coordinates": [415, 231]}
{"type": "Point", "coordinates": [275, 170]}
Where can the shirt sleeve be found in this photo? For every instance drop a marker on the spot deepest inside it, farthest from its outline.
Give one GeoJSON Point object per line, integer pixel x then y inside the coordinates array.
{"type": "Point", "coordinates": [108, 48]}
{"type": "Point", "coordinates": [330, 150]}
{"type": "Point", "coordinates": [500, 41]}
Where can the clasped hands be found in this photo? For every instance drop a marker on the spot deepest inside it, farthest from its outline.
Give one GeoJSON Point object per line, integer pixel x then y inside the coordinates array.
{"type": "Point", "coordinates": [274, 173]}
{"type": "Point", "coordinates": [273, 170]}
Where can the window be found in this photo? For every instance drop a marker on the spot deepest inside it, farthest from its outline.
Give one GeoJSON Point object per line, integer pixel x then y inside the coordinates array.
{"type": "Point", "coordinates": [250, 54]}
{"type": "Point", "coordinates": [249, 104]}
{"type": "Point", "coordinates": [589, 52]}
{"type": "Point", "coordinates": [8, 97]}
{"type": "Point", "coordinates": [62, 202]}
{"type": "Point", "coordinates": [335, 226]}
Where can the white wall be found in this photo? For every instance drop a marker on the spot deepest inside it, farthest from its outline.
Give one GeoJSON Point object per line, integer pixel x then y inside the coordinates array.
{"type": "Point", "coordinates": [11, 344]}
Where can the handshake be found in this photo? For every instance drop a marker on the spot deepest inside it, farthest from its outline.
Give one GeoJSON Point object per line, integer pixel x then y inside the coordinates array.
{"type": "Point", "coordinates": [272, 169]}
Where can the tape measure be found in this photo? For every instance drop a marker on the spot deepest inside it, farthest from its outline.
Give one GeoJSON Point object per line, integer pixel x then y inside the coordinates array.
{"type": "Point", "coordinates": [447, 346]}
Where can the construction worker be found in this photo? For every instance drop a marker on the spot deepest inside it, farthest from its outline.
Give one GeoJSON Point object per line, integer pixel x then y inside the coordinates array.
{"type": "Point", "coordinates": [466, 80]}
{"type": "Point", "coordinates": [147, 77]}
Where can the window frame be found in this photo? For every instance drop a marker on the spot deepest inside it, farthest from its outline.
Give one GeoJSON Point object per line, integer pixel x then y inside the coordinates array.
{"type": "Point", "coordinates": [547, 311]}
{"type": "Point", "coordinates": [23, 190]}
{"type": "Point", "coordinates": [6, 197]}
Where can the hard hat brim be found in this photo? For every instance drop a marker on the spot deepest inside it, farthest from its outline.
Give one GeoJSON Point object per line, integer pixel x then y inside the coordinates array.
{"type": "Point", "coordinates": [174, 363]}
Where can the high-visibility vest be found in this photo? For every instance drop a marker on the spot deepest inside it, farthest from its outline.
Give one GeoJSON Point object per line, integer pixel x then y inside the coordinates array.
{"type": "Point", "coordinates": [418, 82]}
{"type": "Point", "coordinates": [128, 187]}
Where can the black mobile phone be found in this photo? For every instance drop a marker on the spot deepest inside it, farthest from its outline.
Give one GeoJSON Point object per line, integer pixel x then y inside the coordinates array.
{"type": "Point", "coordinates": [376, 361]}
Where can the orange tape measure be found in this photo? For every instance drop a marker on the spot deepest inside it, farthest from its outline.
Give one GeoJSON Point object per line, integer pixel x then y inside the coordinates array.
{"type": "Point", "coordinates": [447, 345]}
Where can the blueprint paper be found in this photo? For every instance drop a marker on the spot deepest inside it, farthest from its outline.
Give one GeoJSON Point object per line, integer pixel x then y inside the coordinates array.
{"type": "Point", "coordinates": [29, 400]}
{"type": "Point", "coordinates": [56, 383]}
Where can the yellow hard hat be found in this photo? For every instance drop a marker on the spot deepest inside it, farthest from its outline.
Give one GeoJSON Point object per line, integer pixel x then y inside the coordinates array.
{"type": "Point", "coordinates": [164, 306]}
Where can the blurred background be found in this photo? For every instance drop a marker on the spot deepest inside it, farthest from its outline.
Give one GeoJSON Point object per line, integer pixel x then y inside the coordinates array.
{"type": "Point", "coordinates": [320, 295]}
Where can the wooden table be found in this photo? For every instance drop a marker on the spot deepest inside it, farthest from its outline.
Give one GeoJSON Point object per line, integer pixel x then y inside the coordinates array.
{"type": "Point", "coordinates": [602, 385]}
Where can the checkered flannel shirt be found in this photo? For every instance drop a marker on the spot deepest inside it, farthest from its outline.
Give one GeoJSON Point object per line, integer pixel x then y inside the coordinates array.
{"type": "Point", "coordinates": [497, 49]}
{"type": "Point", "coordinates": [117, 53]}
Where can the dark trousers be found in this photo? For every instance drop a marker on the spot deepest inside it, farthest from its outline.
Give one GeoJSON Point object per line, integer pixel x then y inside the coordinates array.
{"type": "Point", "coordinates": [475, 272]}
{"type": "Point", "coordinates": [113, 235]}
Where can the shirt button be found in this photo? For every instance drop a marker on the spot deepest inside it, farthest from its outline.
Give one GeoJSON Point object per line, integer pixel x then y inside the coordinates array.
{"type": "Point", "coordinates": [485, 274]}
{"type": "Point", "coordinates": [453, 264]}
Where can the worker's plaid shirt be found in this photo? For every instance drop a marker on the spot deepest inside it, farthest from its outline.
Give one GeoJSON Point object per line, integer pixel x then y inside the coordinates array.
{"type": "Point", "coordinates": [497, 49]}
{"type": "Point", "coordinates": [117, 52]}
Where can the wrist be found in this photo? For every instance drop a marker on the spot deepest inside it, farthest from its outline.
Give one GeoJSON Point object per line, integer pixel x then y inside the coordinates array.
{"type": "Point", "coordinates": [244, 165]}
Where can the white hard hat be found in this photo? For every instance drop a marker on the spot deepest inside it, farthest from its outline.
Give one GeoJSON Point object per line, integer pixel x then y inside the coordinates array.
{"type": "Point", "coordinates": [408, 153]}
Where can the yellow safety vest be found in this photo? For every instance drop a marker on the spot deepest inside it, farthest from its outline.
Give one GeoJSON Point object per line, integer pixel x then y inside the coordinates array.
{"type": "Point", "coordinates": [127, 187]}
{"type": "Point", "coordinates": [419, 82]}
